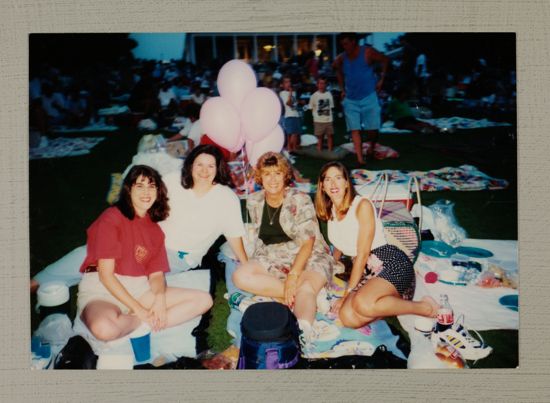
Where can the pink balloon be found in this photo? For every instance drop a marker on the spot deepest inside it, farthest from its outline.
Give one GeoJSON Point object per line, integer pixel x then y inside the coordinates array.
{"type": "Point", "coordinates": [239, 145]}
{"type": "Point", "coordinates": [260, 112]}
{"type": "Point", "coordinates": [274, 141]}
{"type": "Point", "coordinates": [236, 79]}
{"type": "Point", "coordinates": [220, 120]}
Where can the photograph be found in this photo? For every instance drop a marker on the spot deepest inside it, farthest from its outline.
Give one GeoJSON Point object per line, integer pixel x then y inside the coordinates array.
{"type": "Point", "coordinates": [273, 200]}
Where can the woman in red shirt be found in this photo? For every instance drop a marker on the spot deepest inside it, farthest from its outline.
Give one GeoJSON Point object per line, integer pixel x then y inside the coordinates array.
{"type": "Point", "coordinates": [123, 283]}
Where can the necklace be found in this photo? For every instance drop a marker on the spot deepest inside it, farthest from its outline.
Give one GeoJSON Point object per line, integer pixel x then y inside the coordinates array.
{"type": "Point", "coordinates": [272, 216]}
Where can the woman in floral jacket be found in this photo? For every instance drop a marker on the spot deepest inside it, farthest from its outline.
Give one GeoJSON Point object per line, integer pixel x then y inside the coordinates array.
{"type": "Point", "coordinates": [291, 260]}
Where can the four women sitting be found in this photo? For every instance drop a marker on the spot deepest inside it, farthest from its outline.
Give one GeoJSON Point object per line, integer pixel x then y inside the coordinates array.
{"type": "Point", "coordinates": [124, 284]}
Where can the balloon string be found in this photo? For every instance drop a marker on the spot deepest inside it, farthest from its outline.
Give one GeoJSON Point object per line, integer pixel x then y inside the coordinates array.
{"type": "Point", "coordinates": [245, 179]}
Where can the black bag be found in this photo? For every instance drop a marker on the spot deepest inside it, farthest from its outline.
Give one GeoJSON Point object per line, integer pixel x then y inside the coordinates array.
{"type": "Point", "coordinates": [77, 354]}
{"type": "Point", "coordinates": [269, 337]}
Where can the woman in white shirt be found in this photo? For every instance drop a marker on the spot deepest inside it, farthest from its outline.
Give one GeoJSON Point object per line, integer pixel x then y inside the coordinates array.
{"type": "Point", "coordinates": [382, 277]}
{"type": "Point", "coordinates": [202, 207]}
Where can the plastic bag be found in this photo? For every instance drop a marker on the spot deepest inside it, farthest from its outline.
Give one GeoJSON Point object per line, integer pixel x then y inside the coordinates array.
{"type": "Point", "coordinates": [55, 329]}
{"type": "Point", "coordinates": [446, 226]}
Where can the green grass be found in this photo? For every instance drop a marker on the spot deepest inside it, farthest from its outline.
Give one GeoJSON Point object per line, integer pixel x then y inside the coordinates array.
{"type": "Point", "coordinates": [67, 194]}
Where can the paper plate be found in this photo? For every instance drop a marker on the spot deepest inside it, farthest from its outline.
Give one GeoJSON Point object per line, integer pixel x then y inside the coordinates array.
{"type": "Point", "coordinates": [470, 251]}
{"type": "Point", "coordinates": [437, 249]}
{"type": "Point", "coordinates": [509, 301]}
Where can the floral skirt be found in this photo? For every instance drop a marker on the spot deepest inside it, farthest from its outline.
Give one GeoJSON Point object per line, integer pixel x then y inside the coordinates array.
{"type": "Point", "coordinates": [277, 259]}
{"type": "Point", "coordinates": [392, 264]}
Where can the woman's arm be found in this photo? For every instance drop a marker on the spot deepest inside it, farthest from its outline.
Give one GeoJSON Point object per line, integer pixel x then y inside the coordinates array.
{"type": "Point", "coordinates": [364, 215]}
{"type": "Point", "coordinates": [237, 246]}
{"type": "Point", "coordinates": [336, 254]}
{"type": "Point", "coordinates": [106, 271]}
{"type": "Point", "coordinates": [298, 266]}
{"type": "Point", "coordinates": [157, 282]}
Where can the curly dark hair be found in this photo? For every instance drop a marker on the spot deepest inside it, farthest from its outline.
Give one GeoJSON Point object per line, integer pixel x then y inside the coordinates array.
{"type": "Point", "coordinates": [222, 170]}
{"type": "Point", "coordinates": [159, 210]}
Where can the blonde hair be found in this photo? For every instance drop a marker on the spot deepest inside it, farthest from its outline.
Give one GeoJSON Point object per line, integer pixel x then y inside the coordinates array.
{"type": "Point", "coordinates": [323, 203]}
{"type": "Point", "coordinates": [273, 160]}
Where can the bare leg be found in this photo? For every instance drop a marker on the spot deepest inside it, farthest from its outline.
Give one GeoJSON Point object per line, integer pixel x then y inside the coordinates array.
{"type": "Point", "coordinates": [330, 142]}
{"type": "Point", "coordinates": [254, 278]}
{"type": "Point", "coordinates": [309, 285]}
{"type": "Point", "coordinates": [379, 298]}
{"type": "Point", "coordinates": [107, 322]}
{"type": "Point", "coordinates": [358, 144]}
{"type": "Point", "coordinates": [295, 141]}
{"type": "Point", "coordinates": [182, 304]}
{"type": "Point", "coordinates": [34, 285]}
{"type": "Point", "coordinates": [319, 143]}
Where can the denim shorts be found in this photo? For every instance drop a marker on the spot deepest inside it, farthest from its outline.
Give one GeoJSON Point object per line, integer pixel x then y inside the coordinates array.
{"type": "Point", "coordinates": [292, 125]}
{"type": "Point", "coordinates": [363, 114]}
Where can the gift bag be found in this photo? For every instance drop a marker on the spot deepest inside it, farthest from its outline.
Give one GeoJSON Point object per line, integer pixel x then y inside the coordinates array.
{"type": "Point", "coordinates": [400, 228]}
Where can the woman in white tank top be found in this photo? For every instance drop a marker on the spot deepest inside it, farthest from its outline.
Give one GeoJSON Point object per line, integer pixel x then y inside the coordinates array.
{"type": "Point", "coordinates": [382, 277]}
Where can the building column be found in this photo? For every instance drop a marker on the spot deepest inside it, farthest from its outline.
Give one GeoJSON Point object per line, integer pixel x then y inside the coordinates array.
{"type": "Point", "coordinates": [235, 47]}
{"type": "Point", "coordinates": [334, 46]}
{"type": "Point", "coordinates": [255, 50]}
{"type": "Point", "coordinates": [275, 56]}
{"type": "Point", "coordinates": [214, 48]}
{"type": "Point", "coordinates": [193, 55]}
{"type": "Point", "coordinates": [295, 44]}
{"type": "Point", "coordinates": [314, 43]}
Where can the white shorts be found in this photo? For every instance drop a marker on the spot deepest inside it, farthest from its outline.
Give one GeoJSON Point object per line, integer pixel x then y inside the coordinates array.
{"type": "Point", "coordinates": [91, 289]}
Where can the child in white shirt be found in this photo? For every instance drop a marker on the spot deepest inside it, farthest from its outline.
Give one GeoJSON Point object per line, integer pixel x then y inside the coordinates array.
{"type": "Point", "coordinates": [321, 104]}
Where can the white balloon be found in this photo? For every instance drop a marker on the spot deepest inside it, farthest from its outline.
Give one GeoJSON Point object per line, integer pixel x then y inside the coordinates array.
{"type": "Point", "coordinates": [274, 142]}
{"type": "Point", "coordinates": [235, 80]}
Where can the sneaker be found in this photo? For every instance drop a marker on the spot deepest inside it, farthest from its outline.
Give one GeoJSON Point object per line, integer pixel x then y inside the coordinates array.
{"type": "Point", "coordinates": [307, 338]}
{"type": "Point", "coordinates": [323, 303]}
{"type": "Point", "coordinates": [458, 337]}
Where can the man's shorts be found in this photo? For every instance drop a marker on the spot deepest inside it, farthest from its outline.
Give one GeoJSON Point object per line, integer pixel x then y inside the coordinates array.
{"type": "Point", "coordinates": [292, 125]}
{"type": "Point", "coordinates": [363, 114]}
{"type": "Point", "coordinates": [321, 129]}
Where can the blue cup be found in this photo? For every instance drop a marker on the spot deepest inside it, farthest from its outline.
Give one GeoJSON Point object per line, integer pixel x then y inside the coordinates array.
{"type": "Point", "coordinates": [141, 344]}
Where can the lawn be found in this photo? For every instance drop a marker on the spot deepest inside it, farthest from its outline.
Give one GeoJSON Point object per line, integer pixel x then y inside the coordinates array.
{"type": "Point", "coordinates": [67, 194]}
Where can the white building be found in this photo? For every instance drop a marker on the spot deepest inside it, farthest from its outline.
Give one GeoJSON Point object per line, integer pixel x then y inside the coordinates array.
{"type": "Point", "coordinates": [202, 48]}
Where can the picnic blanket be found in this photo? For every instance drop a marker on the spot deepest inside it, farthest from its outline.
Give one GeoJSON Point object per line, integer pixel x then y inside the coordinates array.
{"type": "Point", "coordinates": [381, 152]}
{"type": "Point", "coordinates": [481, 307]}
{"type": "Point", "coordinates": [64, 147]}
{"type": "Point", "coordinates": [171, 343]}
{"type": "Point", "coordinates": [463, 178]}
{"type": "Point", "coordinates": [96, 127]}
{"type": "Point", "coordinates": [447, 125]}
{"type": "Point", "coordinates": [114, 110]}
{"type": "Point", "coordinates": [334, 340]}
{"type": "Point", "coordinates": [457, 122]}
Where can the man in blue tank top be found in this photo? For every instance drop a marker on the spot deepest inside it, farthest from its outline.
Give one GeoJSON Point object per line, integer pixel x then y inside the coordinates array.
{"type": "Point", "coordinates": [360, 85]}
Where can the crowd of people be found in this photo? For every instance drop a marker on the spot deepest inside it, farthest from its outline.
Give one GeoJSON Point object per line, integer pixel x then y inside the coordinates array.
{"type": "Point", "coordinates": [162, 226]}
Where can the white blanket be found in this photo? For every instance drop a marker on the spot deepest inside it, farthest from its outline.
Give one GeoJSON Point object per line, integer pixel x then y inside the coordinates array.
{"type": "Point", "coordinates": [169, 343]}
{"type": "Point", "coordinates": [480, 306]}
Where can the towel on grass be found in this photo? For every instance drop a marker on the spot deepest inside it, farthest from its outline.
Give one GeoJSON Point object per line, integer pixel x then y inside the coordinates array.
{"type": "Point", "coordinates": [463, 178]}
{"type": "Point", "coordinates": [65, 147]}
{"type": "Point", "coordinates": [381, 152]}
{"type": "Point", "coordinates": [447, 125]}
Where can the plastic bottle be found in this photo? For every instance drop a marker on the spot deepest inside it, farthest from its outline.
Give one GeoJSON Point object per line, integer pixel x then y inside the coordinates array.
{"type": "Point", "coordinates": [445, 316]}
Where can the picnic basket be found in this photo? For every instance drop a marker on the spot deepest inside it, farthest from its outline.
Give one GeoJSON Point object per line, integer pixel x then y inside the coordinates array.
{"type": "Point", "coordinates": [400, 228]}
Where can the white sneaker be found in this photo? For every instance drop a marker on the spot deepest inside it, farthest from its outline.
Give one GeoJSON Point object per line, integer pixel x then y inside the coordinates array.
{"type": "Point", "coordinates": [323, 304]}
{"type": "Point", "coordinates": [307, 337]}
{"type": "Point", "coordinates": [458, 337]}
